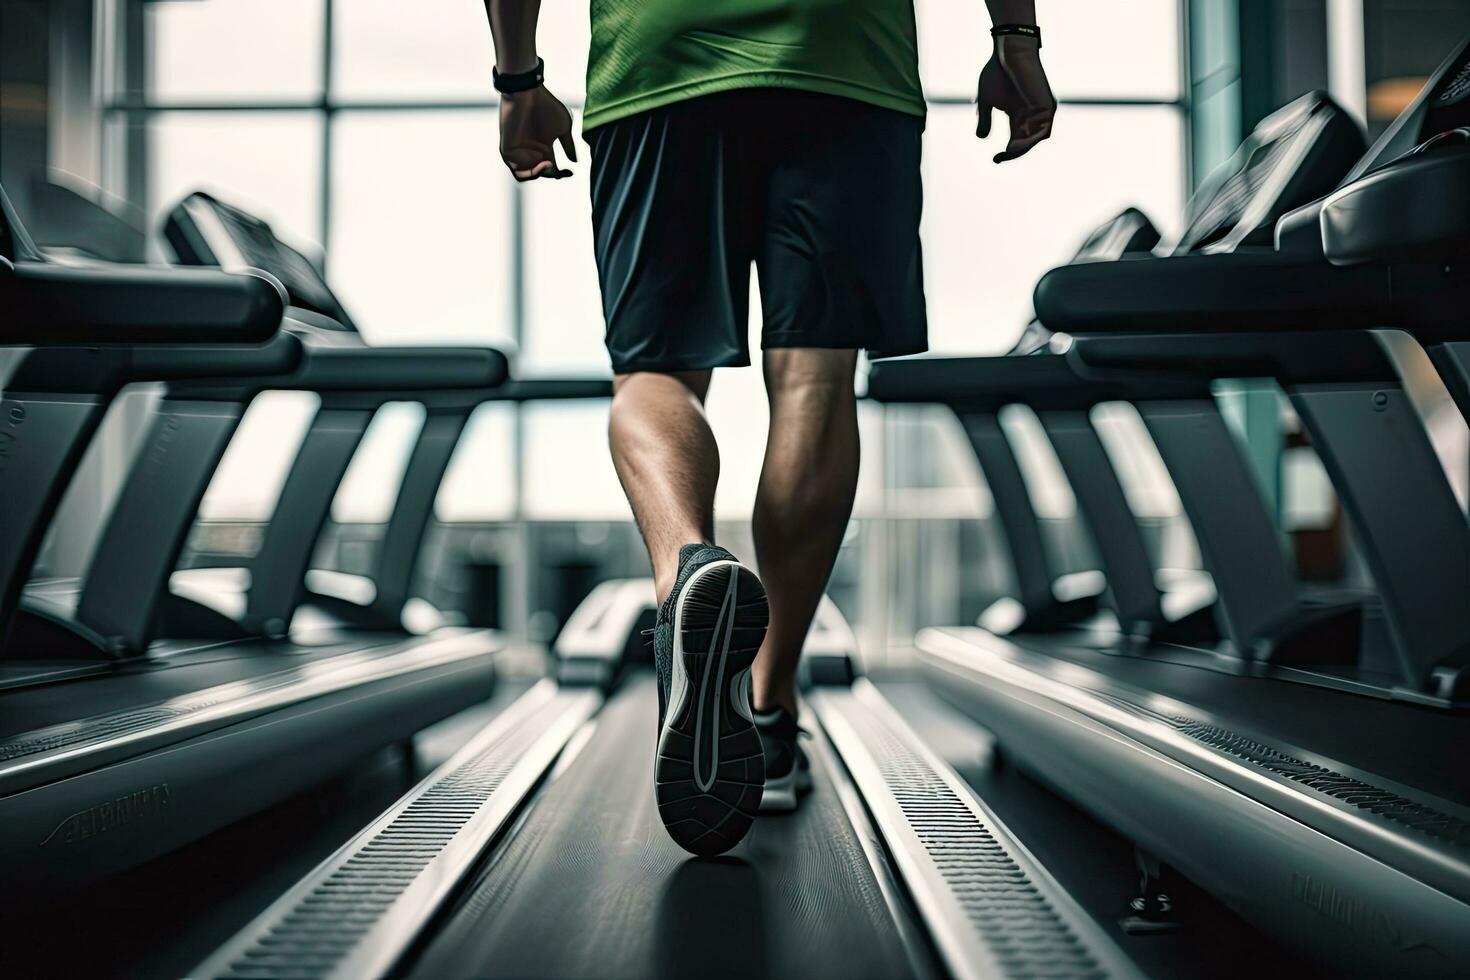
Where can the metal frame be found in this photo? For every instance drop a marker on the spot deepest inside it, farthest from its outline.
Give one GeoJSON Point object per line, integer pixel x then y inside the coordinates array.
{"type": "Point", "coordinates": [1236, 535]}
{"type": "Point", "coordinates": [143, 538]}
{"type": "Point", "coordinates": [1372, 443]}
{"type": "Point", "coordinates": [1131, 581]}
{"type": "Point", "coordinates": [1035, 576]}
{"type": "Point", "coordinates": [301, 512]}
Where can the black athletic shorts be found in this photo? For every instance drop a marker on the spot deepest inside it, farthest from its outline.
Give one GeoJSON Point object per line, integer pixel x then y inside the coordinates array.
{"type": "Point", "coordinates": [821, 192]}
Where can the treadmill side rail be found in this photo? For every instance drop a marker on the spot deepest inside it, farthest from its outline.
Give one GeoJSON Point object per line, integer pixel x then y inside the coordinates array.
{"type": "Point", "coordinates": [992, 909]}
{"type": "Point", "coordinates": [358, 912]}
{"type": "Point", "coordinates": [64, 750]}
{"type": "Point", "coordinates": [1347, 869]}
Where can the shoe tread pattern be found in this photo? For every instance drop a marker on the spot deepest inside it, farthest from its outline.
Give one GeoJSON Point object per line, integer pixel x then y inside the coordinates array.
{"type": "Point", "coordinates": [711, 820]}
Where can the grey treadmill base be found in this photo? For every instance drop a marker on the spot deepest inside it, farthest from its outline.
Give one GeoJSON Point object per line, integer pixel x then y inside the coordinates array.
{"type": "Point", "coordinates": [87, 799]}
{"type": "Point", "coordinates": [1330, 861]}
{"type": "Point", "coordinates": [385, 903]}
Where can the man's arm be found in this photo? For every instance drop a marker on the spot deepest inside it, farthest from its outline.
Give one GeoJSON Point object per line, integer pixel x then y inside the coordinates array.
{"type": "Point", "coordinates": [1015, 83]}
{"type": "Point", "coordinates": [1012, 11]}
{"type": "Point", "coordinates": [531, 122]}
{"type": "Point", "coordinates": [513, 25]}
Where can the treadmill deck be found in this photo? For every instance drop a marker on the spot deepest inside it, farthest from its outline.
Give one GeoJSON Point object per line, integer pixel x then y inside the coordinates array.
{"type": "Point", "coordinates": [796, 898]}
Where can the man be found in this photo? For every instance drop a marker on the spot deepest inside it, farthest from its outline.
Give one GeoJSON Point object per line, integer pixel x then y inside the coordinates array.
{"type": "Point", "coordinates": [784, 133]}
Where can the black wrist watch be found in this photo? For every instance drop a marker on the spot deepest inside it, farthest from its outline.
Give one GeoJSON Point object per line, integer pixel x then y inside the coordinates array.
{"type": "Point", "coordinates": [521, 81]}
{"type": "Point", "coordinates": [1017, 30]}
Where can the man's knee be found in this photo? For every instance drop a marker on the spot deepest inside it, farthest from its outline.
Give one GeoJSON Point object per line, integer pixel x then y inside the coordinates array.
{"type": "Point", "coordinates": [693, 384]}
{"type": "Point", "coordinates": [815, 377]}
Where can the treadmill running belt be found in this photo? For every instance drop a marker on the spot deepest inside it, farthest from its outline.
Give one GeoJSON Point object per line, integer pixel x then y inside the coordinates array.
{"type": "Point", "coordinates": [591, 885]}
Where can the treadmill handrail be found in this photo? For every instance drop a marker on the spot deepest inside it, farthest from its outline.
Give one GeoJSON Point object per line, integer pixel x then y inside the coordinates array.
{"type": "Point", "coordinates": [1290, 357]}
{"type": "Point", "coordinates": [1241, 292]}
{"type": "Point", "coordinates": [104, 370]}
{"type": "Point", "coordinates": [48, 303]}
{"type": "Point", "coordinates": [334, 362]}
{"type": "Point", "coordinates": [553, 389]}
{"type": "Point", "coordinates": [1041, 381]}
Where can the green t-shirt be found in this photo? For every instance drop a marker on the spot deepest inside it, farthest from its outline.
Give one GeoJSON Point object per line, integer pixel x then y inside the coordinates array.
{"type": "Point", "coordinates": [648, 53]}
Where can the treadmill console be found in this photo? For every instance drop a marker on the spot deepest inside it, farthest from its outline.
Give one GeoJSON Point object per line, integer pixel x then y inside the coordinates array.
{"type": "Point", "coordinates": [1448, 105]}
{"type": "Point", "coordinates": [1128, 233]}
{"type": "Point", "coordinates": [1297, 154]}
{"type": "Point", "coordinates": [1442, 106]}
{"type": "Point", "coordinates": [202, 230]}
{"type": "Point", "coordinates": [15, 243]}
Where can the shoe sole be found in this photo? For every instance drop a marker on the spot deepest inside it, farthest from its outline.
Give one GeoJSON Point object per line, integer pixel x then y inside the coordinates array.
{"type": "Point", "coordinates": [710, 772]}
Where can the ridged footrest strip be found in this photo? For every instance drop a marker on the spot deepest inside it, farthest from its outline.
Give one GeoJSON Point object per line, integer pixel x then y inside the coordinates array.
{"type": "Point", "coordinates": [992, 909]}
{"type": "Point", "coordinates": [359, 910]}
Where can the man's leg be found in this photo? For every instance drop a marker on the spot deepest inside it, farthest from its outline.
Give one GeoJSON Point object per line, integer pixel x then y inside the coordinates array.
{"type": "Point", "coordinates": [668, 462]}
{"type": "Point", "coordinates": [709, 770]}
{"type": "Point", "coordinates": [803, 503]}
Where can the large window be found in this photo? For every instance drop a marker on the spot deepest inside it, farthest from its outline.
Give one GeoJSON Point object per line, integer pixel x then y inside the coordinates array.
{"type": "Point", "coordinates": [370, 132]}
{"type": "Point", "coordinates": [991, 231]}
{"type": "Point", "coordinates": [367, 129]}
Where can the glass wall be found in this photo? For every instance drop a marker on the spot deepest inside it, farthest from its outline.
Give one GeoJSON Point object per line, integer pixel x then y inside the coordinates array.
{"type": "Point", "coordinates": [368, 134]}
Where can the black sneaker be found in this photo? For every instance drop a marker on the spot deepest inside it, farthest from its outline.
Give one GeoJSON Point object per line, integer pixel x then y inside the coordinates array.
{"type": "Point", "coordinates": [710, 771]}
{"type": "Point", "coordinates": [788, 770]}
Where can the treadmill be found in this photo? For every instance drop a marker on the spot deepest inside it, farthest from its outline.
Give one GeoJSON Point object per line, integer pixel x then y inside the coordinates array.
{"type": "Point", "coordinates": [537, 851]}
{"type": "Point", "coordinates": [1294, 155]}
{"type": "Point", "coordinates": [1317, 785]}
{"type": "Point", "coordinates": [276, 593]}
{"type": "Point", "coordinates": [120, 740]}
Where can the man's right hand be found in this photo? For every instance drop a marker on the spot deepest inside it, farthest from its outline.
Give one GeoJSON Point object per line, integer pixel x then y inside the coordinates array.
{"type": "Point", "coordinates": [1015, 83]}
{"type": "Point", "coordinates": [531, 124]}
